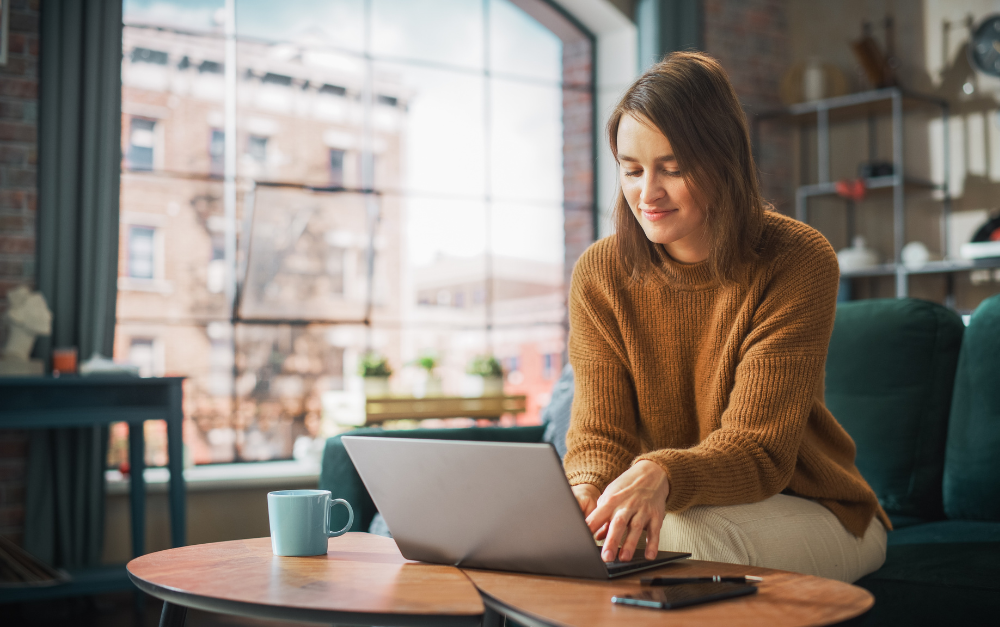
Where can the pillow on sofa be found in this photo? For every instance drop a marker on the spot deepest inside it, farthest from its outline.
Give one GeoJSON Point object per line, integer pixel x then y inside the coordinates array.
{"type": "Point", "coordinates": [556, 414]}
{"type": "Point", "coordinates": [889, 376]}
{"type": "Point", "coordinates": [972, 460]}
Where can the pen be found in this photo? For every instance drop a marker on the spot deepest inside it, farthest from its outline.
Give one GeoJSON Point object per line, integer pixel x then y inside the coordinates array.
{"type": "Point", "coordinates": [670, 581]}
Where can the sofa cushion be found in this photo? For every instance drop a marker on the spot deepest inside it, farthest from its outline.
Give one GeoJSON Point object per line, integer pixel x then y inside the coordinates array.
{"type": "Point", "coordinates": [972, 460]}
{"type": "Point", "coordinates": [889, 377]}
{"type": "Point", "coordinates": [936, 584]}
{"type": "Point", "coordinates": [944, 531]}
{"type": "Point", "coordinates": [556, 414]}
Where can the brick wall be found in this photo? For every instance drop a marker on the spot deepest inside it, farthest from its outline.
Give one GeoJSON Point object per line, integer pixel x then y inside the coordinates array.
{"type": "Point", "coordinates": [18, 194]}
{"type": "Point", "coordinates": [578, 153]}
{"type": "Point", "coordinates": [751, 40]}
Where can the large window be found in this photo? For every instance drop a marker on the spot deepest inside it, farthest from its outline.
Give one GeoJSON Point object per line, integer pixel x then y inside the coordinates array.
{"type": "Point", "coordinates": [401, 170]}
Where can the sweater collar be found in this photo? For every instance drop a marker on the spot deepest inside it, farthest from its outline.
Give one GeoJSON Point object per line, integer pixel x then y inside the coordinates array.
{"type": "Point", "coordinates": [685, 275]}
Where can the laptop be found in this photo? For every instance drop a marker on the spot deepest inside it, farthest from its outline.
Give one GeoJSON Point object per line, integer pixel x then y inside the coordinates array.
{"type": "Point", "coordinates": [490, 505]}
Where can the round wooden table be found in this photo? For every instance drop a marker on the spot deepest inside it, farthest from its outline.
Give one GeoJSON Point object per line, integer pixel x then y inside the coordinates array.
{"type": "Point", "coordinates": [784, 599]}
{"type": "Point", "coordinates": [361, 580]}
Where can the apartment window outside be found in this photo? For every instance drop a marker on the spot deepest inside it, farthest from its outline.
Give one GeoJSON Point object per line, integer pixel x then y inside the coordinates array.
{"type": "Point", "coordinates": [217, 152]}
{"type": "Point", "coordinates": [142, 139]}
{"type": "Point", "coordinates": [453, 128]}
{"type": "Point", "coordinates": [257, 148]}
{"type": "Point", "coordinates": [142, 252]}
{"type": "Point", "coordinates": [336, 167]}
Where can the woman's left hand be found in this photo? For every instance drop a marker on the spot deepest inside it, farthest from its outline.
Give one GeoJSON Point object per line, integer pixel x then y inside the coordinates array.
{"type": "Point", "coordinates": [632, 503]}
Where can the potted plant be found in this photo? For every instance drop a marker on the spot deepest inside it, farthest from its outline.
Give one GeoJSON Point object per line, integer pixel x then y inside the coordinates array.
{"type": "Point", "coordinates": [489, 368]}
{"type": "Point", "coordinates": [376, 372]}
{"type": "Point", "coordinates": [432, 386]}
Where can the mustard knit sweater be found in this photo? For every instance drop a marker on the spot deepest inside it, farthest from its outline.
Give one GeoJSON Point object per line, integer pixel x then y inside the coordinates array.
{"type": "Point", "coordinates": [722, 386]}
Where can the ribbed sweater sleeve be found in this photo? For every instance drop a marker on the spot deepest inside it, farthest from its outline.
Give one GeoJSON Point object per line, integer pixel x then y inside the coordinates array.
{"type": "Point", "coordinates": [602, 438]}
{"type": "Point", "coordinates": [778, 379]}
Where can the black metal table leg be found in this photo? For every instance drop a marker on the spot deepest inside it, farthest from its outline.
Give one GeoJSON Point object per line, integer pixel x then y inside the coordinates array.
{"type": "Point", "coordinates": [173, 615]}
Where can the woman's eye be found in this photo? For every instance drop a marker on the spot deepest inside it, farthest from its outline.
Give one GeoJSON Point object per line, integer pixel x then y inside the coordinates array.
{"type": "Point", "coordinates": [633, 173]}
{"type": "Point", "coordinates": [672, 172]}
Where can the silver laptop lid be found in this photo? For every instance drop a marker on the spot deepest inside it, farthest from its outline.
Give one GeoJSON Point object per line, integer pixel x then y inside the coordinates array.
{"type": "Point", "coordinates": [492, 505]}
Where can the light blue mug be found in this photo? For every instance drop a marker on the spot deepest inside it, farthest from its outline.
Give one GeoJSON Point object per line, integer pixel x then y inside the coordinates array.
{"type": "Point", "coordinates": [300, 521]}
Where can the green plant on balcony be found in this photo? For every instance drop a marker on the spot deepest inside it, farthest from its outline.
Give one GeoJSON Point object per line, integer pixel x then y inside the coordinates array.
{"type": "Point", "coordinates": [486, 366]}
{"type": "Point", "coordinates": [374, 365]}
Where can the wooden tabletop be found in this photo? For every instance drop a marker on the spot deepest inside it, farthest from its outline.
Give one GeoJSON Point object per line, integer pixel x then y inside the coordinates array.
{"type": "Point", "coordinates": [363, 579]}
{"type": "Point", "coordinates": [783, 600]}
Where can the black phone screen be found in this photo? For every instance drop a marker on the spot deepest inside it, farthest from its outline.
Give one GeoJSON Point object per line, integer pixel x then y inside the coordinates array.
{"type": "Point", "coordinates": [684, 594]}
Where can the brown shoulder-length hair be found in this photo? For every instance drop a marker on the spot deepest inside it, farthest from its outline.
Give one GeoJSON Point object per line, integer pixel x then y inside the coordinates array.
{"type": "Point", "coordinates": [689, 98]}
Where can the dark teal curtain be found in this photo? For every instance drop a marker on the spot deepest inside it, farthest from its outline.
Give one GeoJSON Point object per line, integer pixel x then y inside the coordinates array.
{"type": "Point", "coordinates": [665, 26]}
{"type": "Point", "coordinates": [79, 146]}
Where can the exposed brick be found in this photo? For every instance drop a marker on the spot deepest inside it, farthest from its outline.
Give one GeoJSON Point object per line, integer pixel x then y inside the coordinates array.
{"type": "Point", "coordinates": [13, 155]}
{"type": "Point", "coordinates": [23, 22]}
{"type": "Point", "coordinates": [16, 43]}
{"type": "Point", "coordinates": [21, 178]}
{"type": "Point", "coordinates": [19, 88]}
{"type": "Point", "coordinates": [11, 199]}
{"type": "Point", "coordinates": [12, 516]}
{"type": "Point", "coordinates": [11, 269]}
{"type": "Point", "coordinates": [11, 131]}
{"type": "Point", "coordinates": [16, 66]}
{"type": "Point", "coordinates": [14, 224]}
{"type": "Point", "coordinates": [13, 245]}
{"type": "Point", "coordinates": [33, 46]}
{"type": "Point", "coordinates": [13, 447]}
{"type": "Point", "coordinates": [31, 200]}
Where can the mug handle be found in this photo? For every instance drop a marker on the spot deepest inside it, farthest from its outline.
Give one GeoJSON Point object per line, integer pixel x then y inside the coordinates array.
{"type": "Point", "coordinates": [350, 518]}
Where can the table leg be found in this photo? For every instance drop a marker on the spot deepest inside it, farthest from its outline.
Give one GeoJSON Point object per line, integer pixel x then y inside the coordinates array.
{"type": "Point", "coordinates": [492, 618]}
{"type": "Point", "coordinates": [173, 615]}
{"type": "Point", "coordinates": [137, 481]}
{"type": "Point", "coordinates": [175, 456]}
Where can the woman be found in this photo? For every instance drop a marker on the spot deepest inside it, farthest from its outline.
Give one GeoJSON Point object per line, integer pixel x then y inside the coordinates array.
{"type": "Point", "coordinates": [698, 336]}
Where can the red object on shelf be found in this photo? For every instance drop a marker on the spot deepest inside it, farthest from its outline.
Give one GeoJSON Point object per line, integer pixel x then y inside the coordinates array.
{"type": "Point", "coordinates": [851, 189]}
{"type": "Point", "coordinates": [124, 468]}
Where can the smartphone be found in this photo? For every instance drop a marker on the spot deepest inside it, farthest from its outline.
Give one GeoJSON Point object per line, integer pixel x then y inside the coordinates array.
{"type": "Point", "coordinates": [684, 594]}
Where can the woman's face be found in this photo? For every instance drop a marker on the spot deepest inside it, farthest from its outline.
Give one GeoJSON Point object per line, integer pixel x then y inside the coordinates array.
{"type": "Point", "coordinates": [657, 193]}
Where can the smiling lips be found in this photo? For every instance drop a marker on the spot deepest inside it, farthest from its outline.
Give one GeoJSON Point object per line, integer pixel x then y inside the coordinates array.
{"type": "Point", "coordinates": [658, 214]}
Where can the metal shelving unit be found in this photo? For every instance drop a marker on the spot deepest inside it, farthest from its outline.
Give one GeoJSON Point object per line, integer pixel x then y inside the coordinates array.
{"type": "Point", "coordinates": [893, 102]}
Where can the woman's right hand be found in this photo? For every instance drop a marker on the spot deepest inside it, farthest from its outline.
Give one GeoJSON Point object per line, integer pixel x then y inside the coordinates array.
{"type": "Point", "coordinates": [586, 495]}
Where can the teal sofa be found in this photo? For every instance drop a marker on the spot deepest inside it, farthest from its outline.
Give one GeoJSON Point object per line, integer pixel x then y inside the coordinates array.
{"type": "Point", "coordinates": [920, 395]}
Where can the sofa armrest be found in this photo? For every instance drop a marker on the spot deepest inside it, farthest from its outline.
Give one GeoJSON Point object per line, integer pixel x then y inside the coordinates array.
{"type": "Point", "coordinates": [338, 475]}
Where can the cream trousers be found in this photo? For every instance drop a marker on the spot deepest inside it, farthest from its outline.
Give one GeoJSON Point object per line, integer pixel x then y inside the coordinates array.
{"type": "Point", "coordinates": [783, 532]}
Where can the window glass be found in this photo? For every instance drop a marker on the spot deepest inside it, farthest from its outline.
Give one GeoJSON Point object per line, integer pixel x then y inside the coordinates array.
{"type": "Point", "coordinates": [317, 23]}
{"type": "Point", "coordinates": [442, 32]}
{"type": "Point", "coordinates": [444, 148]}
{"type": "Point", "coordinates": [399, 179]}
{"type": "Point", "coordinates": [337, 167]}
{"type": "Point", "coordinates": [217, 152]}
{"type": "Point", "coordinates": [520, 45]}
{"type": "Point", "coordinates": [141, 143]}
{"type": "Point", "coordinates": [526, 141]}
{"type": "Point", "coordinates": [141, 252]}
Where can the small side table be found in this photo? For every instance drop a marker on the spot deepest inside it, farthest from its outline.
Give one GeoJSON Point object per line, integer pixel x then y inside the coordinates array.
{"type": "Point", "coordinates": [72, 401]}
{"type": "Point", "coordinates": [362, 580]}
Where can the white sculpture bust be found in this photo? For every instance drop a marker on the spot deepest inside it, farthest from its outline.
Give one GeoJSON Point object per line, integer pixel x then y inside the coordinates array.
{"type": "Point", "coordinates": [27, 318]}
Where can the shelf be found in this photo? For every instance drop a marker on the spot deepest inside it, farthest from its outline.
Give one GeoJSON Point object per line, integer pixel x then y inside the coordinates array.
{"type": "Point", "coordinates": [856, 106]}
{"type": "Point", "coordinates": [872, 184]}
{"type": "Point", "coordinates": [931, 267]}
{"type": "Point", "coordinates": [490, 407]}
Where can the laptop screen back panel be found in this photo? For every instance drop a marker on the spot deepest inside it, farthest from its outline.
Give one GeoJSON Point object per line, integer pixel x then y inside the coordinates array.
{"type": "Point", "coordinates": [478, 505]}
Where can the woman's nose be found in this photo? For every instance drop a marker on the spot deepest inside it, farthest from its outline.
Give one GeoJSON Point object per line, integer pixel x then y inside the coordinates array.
{"type": "Point", "coordinates": [652, 190]}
